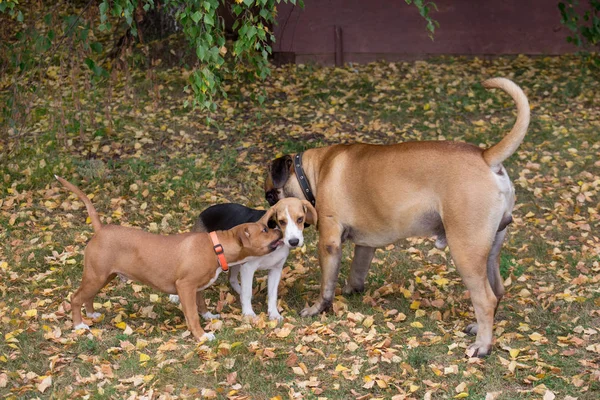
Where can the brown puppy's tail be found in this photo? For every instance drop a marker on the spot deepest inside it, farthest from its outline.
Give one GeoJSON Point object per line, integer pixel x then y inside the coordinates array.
{"type": "Point", "coordinates": [96, 224]}
{"type": "Point", "coordinates": [509, 144]}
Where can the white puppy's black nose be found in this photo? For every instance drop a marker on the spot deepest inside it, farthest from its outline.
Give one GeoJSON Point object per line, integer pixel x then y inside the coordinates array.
{"type": "Point", "coordinates": [294, 242]}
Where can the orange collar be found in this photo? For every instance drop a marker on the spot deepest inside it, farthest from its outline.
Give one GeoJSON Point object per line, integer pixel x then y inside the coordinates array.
{"type": "Point", "coordinates": [218, 247]}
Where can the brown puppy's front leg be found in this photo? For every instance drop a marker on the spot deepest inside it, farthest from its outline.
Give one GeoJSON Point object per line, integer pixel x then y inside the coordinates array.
{"type": "Point", "coordinates": [330, 254]}
{"type": "Point", "coordinates": [361, 263]}
{"type": "Point", "coordinates": [187, 297]}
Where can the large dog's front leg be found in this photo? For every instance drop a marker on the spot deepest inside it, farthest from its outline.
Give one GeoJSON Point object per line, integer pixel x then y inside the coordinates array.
{"type": "Point", "coordinates": [330, 254]}
{"type": "Point", "coordinates": [360, 268]}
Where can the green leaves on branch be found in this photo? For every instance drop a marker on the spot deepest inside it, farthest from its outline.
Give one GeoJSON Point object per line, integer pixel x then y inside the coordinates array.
{"type": "Point", "coordinates": [204, 29]}
{"type": "Point", "coordinates": [424, 8]}
{"type": "Point", "coordinates": [121, 9]}
{"type": "Point", "coordinates": [586, 26]}
{"type": "Point", "coordinates": [10, 7]}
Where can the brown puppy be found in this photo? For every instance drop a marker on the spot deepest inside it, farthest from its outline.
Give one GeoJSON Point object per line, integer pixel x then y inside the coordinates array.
{"type": "Point", "coordinates": [376, 195]}
{"type": "Point", "coordinates": [184, 264]}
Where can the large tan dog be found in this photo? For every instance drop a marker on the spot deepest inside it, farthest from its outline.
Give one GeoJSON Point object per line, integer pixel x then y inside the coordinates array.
{"type": "Point", "coordinates": [376, 195]}
{"type": "Point", "coordinates": [184, 264]}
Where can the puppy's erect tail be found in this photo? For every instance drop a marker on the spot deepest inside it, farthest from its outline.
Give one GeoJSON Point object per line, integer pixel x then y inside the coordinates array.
{"type": "Point", "coordinates": [96, 224]}
{"type": "Point", "coordinates": [509, 144]}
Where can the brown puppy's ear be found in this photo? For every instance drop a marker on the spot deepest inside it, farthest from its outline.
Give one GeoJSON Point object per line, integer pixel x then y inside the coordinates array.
{"type": "Point", "coordinates": [244, 237]}
{"type": "Point", "coordinates": [310, 212]}
{"type": "Point", "coordinates": [280, 170]}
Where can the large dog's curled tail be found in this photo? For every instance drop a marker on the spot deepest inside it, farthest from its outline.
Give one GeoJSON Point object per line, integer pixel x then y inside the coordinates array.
{"type": "Point", "coordinates": [509, 144]}
{"type": "Point", "coordinates": [96, 224]}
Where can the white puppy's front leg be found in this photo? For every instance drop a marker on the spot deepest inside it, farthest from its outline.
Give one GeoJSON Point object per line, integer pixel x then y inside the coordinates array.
{"type": "Point", "coordinates": [247, 275]}
{"type": "Point", "coordinates": [234, 272]}
{"type": "Point", "coordinates": [273, 285]}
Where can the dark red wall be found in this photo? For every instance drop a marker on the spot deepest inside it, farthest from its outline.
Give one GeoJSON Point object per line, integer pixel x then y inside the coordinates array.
{"type": "Point", "coordinates": [393, 30]}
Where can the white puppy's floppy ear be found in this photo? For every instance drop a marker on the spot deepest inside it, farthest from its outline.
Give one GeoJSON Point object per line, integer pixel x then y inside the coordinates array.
{"type": "Point", "coordinates": [310, 212]}
{"type": "Point", "coordinates": [267, 217]}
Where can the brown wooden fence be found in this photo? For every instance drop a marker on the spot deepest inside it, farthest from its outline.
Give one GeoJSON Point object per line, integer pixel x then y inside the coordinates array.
{"type": "Point", "coordinates": [368, 30]}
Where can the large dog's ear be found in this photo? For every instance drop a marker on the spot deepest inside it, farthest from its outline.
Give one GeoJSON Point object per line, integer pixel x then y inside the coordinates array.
{"type": "Point", "coordinates": [280, 170]}
{"type": "Point", "coordinates": [310, 212]}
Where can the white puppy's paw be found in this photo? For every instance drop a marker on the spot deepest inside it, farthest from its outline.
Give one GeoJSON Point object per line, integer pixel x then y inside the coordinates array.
{"type": "Point", "coordinates": [173, 298]}
{"type": "Point", "coordinates": [275, 316]}
{"type": "Point", "coordinates": [93, 315]}
{"type": "Point", "coordinates": [81, 326]}
{"type": "Point", "coordinates": [248, 316]}
{"type": "Point", "coordinates": [208, 315]}
{"type": "Point", "coordinates": [208, 336]}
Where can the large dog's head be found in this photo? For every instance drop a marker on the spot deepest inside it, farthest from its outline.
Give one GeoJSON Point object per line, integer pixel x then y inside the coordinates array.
{"type": "Point", "coordinates": [291, 215]}
{"type": "Point", "coordinates": [281, 180]}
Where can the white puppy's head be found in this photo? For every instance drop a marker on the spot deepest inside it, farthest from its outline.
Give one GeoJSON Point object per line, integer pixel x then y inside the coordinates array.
{"type": "Point", "coordinates": [290, 214]}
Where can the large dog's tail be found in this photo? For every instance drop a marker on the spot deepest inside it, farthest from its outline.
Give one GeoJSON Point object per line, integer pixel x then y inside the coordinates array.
{"type": "Point", "coordinates": [96, 224]}
{"type": "Point", "coordinates": [509, 144]}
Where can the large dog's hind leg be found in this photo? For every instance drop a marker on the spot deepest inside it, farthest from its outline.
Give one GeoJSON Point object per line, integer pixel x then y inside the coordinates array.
{"type": "Point", "coordinates": [493, 274]}
{"type": "Point", "coordinates": [360, 268]}
{"type": "Point", "coordinates": [470, 251]}
{"type": "Point", "coordinates": [330, 254]}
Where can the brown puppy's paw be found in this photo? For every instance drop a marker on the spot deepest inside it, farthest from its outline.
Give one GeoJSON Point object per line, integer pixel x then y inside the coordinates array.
{"type": "Point", "coordinates": [479, 350]}
{"type": "Point", "coordinates": [471, 329]}
{"type": "Point", "coordinates": [206, 337]}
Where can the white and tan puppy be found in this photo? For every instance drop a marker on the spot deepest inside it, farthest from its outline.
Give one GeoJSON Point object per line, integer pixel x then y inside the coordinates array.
{"type": "Point", "coordinates": [375, 195]}
{"type": "Point", "coordinates": [289, 215]}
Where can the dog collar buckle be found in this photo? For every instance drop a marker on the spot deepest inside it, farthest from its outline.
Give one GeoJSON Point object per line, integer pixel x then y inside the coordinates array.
{"type": "Point", "coordinates": [219, 251]}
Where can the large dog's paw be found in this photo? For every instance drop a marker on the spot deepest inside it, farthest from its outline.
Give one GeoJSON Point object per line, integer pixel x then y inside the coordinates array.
{"type": "Point", "coordinates": [472, 329]}
{"type": "Point", "coordinates": [479, 349]}
{"type": "Point", "coordinates": [349, 289]}
{"type": "Point", "coordinates": [317, 308]}
{"type": "Point", "coordinates": [311, 311]}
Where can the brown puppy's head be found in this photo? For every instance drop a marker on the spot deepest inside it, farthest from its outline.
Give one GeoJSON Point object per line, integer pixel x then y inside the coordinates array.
{"type": "Point", "coordinates": [281, 181]}
{"type": "Point", "coordinates": [256, 239]}
{"type": "Point", "coordinates": [290, 215]}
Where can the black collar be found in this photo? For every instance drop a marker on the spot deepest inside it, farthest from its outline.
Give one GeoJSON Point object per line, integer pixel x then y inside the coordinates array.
{"type": "Point", "coordinates": [302, 180]}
